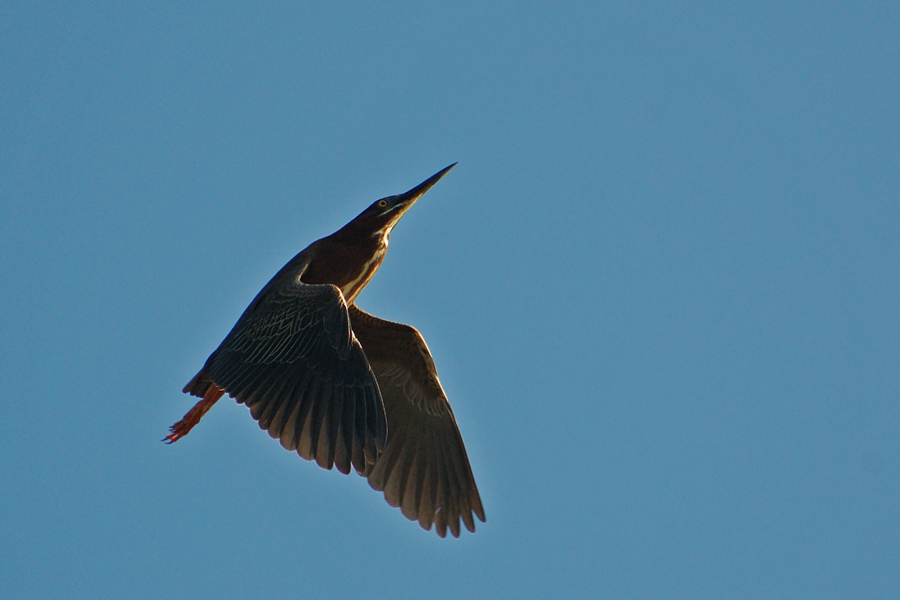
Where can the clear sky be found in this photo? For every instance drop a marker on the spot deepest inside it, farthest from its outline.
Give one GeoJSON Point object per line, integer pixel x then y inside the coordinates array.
{"type": "Point", "coordinates": [661, 289]}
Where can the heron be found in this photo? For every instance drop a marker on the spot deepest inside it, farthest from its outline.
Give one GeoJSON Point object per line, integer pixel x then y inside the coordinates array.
{"type": "Point", "coordinates": [342, 387]}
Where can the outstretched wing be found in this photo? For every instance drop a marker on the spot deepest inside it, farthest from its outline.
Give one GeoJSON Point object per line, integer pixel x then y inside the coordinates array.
{"type": "Point", "coordinates": [293, 360]}
{"type": "Point", "coordinates": [423, 469]}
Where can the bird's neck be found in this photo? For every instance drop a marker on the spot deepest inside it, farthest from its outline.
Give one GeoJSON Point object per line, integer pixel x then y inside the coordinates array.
{"type": "Point", "coordinates": [347, 263]}
{"type": "Point", "coordinates": [366, 271]}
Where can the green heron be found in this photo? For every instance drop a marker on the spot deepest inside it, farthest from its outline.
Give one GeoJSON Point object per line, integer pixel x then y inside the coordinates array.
{"type": "Point", "coordinates": [342, 387]}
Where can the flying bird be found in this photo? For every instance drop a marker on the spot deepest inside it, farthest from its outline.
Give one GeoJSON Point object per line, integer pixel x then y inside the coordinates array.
{"type": "Point", "coordinates": [342, 387]}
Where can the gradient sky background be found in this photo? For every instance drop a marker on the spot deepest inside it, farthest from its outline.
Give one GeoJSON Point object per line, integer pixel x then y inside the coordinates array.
{"type": "Point", "coordinates": [661, 289]}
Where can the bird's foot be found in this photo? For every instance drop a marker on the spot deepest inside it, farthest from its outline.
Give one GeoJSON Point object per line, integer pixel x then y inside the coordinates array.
{"type": "Point", "coordinates": [193, 416]}
{"type": "Point", "coordinates": [179, 430]}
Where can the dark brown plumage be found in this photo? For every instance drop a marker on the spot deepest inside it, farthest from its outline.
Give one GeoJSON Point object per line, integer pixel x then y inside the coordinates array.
{"type": "Point", "coordinates": [342, 387]}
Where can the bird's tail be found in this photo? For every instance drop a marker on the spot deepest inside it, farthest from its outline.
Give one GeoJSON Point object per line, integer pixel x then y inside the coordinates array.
{"type": "Point", "coordinates": [199, 384]}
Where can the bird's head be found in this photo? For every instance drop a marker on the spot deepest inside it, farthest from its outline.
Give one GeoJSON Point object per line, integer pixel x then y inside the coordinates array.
{"type": "Point", "coordinates": [382, 215]}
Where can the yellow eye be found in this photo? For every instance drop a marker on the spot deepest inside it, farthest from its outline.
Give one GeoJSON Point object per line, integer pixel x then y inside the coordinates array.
{"type": "Point", "coordinates": [382, 203]}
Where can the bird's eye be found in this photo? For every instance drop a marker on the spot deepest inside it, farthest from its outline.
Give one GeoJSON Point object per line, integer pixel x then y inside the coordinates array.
{"type": "Point", "coordinates": [382, 203]}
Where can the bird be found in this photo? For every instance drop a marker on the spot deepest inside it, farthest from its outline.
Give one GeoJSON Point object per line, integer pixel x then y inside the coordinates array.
{"type": "Point", "coordinates": [342, 387]}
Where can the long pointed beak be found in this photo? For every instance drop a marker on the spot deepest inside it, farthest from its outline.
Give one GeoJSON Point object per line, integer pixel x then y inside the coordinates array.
{"type": "Point", "coordinates": [406, 200]}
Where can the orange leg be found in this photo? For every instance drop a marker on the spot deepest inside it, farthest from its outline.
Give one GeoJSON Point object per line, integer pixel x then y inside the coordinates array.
{"type": "Point", "coordinates": [181, 428]}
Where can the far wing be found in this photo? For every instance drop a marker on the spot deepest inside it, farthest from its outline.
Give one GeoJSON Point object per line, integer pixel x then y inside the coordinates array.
{"type": "Point", "coordinates": [424, 469]}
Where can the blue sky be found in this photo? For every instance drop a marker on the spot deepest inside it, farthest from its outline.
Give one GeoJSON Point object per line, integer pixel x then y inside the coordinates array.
{"type": "Point", "coordinates": [660, 287]}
